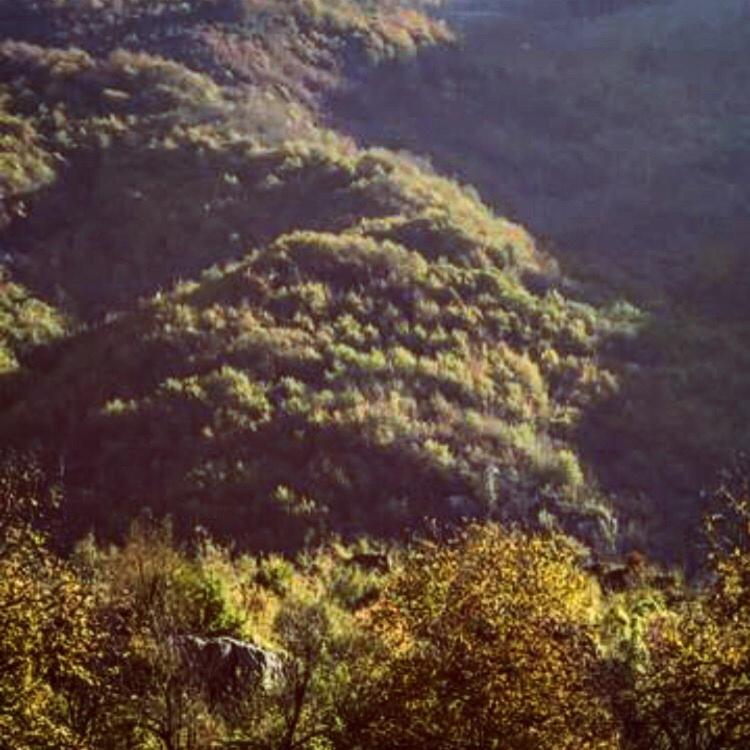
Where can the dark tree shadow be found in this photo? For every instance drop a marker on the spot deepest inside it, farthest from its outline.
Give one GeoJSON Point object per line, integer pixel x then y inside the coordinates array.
{"type": "Point", "coordinates": [682, 412]}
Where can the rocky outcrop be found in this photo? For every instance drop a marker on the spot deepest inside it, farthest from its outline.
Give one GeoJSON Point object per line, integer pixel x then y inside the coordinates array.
{"type": "Point", "coordinates": [224, 666]}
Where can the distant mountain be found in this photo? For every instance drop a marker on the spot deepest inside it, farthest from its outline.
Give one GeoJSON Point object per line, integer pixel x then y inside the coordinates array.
{"type": "Point", "coordinates": [622, 137]}
{"type": "Point", "coordinates": [545, 9]}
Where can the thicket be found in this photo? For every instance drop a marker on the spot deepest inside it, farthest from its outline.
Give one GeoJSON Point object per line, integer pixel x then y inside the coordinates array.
{"type": "Point", "coordinates": [622, 137]}
{"type": "Point", "coordinates": [134, 172]}
{"type": "Point", "coordinates": [487, 637]}
{"type": "Point", "coordinates": [295, 48]}
{"type": "Point", "coordinates": [214, 309]}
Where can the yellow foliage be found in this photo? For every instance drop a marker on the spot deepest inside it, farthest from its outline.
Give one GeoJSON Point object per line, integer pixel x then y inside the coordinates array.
{"type": "Point", "coordinates": [488, 642]}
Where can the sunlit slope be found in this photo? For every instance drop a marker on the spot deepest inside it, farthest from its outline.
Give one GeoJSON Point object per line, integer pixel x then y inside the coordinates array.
{"type": "Point", "coordinates": [296, 47]}
{"type": "Point", "coordinates": [619, 133]}
{"type": "Point", "coordinates": [116, 111]}
{"type": "Point", "coordinates": [381, 363]}
{"type": "Point", "coordinates": [354, 341]}
{"type": "Point", "coordinates": [25, 321]}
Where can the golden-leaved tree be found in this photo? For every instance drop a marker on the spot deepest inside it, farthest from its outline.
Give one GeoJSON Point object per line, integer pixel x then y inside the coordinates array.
{"type": "Point", "coordinates": [487, 642]}
{"type": "Point", "coordinates": [693, 692]}
{"type": "Point", "coordinates": [48, 640]}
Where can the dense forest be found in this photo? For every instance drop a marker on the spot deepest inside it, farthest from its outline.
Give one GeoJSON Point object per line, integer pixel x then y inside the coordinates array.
{"type": "Point", "coordinates": [373, 373]}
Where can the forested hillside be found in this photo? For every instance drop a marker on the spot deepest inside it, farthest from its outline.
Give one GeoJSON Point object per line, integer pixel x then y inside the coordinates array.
{"type": "Point", "coordinates": [617, 131]}
{"type": "Point", "coordinates": [145, 143]}
{"type": "Point", "coordinates": [355, 343]}
{"type": "Point", "coordinates": [374, 374]}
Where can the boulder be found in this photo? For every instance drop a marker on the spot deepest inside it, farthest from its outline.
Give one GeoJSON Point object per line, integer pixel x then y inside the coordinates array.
{"type": "Point", "coordinates": [224, 666]}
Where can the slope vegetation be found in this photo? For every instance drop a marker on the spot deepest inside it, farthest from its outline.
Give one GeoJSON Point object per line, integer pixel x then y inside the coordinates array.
{"type": "Point", "coordinates": [380, 360]}
{"type": "Point", "coordinates": [619, 132]}
{"type": "Point", "coordinates": [217, 307]}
